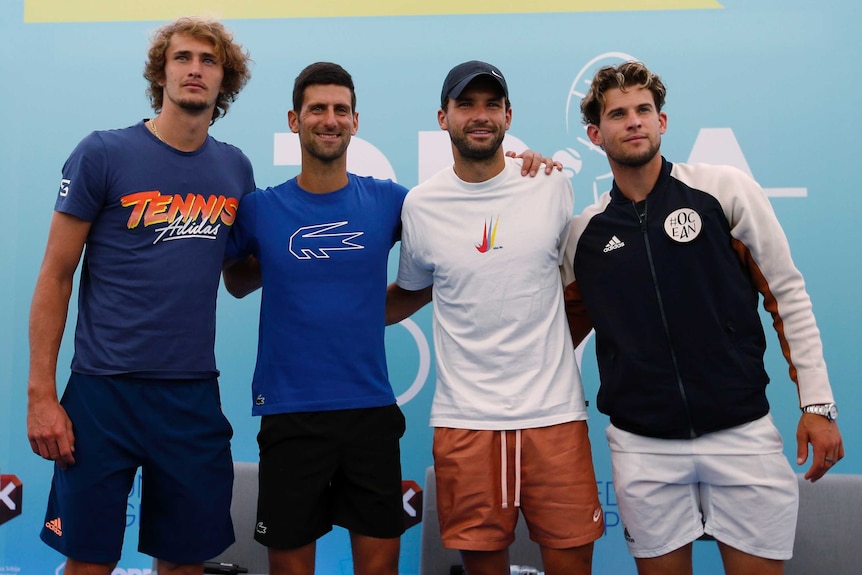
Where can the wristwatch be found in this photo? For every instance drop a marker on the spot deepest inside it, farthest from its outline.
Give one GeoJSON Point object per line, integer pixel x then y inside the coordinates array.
{"type": "Point", "coordinates": [827, 410]}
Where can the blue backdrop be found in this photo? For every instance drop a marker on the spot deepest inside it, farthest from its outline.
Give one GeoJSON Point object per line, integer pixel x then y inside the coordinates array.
{"type": "Point", "coordinates": [770, 86]}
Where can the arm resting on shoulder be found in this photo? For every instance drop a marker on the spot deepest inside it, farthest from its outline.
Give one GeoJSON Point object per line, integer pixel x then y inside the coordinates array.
{"type": "Point", "coordinates": [402, 303]}
{"type": "Point", "coordinates": [241, 277]}
{"type": "Point", "coordinates": [48, 427]}
{"type": "Point", "coordinates": [532, 162]}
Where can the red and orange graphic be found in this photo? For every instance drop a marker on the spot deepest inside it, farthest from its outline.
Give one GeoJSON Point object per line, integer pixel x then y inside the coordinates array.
{"type": "Point", "coordinates": [152, 207]}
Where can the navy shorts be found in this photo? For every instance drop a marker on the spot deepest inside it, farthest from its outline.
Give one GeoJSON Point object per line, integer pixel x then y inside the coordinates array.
{"type": "Point", "coordinates": [176, 432]}
{"type": "Point", "coordinates": [326, 468]}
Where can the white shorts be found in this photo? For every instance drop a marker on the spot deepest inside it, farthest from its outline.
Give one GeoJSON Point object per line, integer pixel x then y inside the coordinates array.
{"type": "Point", "coordinates": [735, 485]}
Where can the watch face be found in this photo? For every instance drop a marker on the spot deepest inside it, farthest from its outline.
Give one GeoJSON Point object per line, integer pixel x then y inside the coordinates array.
{"type": "Point", "coordinates": [832, 412]}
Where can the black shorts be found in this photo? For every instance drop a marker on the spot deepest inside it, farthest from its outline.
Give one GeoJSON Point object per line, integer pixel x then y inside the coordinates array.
{"type": "Point", "coordinates": [326, 468]}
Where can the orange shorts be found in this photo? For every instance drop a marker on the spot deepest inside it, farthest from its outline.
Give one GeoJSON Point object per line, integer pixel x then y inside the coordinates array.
{"type": "Point", "coordinates": [554, 485]}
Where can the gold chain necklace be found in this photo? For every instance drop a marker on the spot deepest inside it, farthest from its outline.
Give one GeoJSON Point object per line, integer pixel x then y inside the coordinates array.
{"type": "Point", "coordinates": [156, 131]}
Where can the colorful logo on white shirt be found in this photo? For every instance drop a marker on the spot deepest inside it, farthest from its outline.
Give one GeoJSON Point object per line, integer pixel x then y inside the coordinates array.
{"type": "Point", "coordinates": [489, 234]}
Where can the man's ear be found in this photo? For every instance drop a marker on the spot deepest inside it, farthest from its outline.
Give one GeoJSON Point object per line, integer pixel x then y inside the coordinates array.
{"type": "Point", "coordinates": [595, 135]}
{"type": "Point", "coordinates": [441, 119]}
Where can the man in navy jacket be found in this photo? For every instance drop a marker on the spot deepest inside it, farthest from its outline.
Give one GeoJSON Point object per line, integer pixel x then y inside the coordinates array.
{"type": "Point", "coordinates": [669, 266]}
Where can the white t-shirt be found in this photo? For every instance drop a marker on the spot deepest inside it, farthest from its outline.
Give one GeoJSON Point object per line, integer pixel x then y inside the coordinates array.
{"type": "Point", "coordinates": [493, 251]}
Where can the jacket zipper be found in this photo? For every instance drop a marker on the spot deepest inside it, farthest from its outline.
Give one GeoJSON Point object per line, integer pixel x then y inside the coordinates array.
{"type": "Point", "coordinates": [642, 218]}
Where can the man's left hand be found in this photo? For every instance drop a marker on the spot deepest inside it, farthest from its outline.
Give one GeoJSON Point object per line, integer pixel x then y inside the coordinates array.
{"type": "Point", "coordinates": [825, 439]}
{"type": "Point", "coordinates": [532, 161]}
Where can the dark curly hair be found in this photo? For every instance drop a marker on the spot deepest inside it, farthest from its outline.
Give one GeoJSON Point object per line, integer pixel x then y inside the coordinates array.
{"type": "Point", "coordinates": [232, 56]}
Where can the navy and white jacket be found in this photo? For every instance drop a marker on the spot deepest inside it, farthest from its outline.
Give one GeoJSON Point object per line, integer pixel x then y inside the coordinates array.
{"type": "Point", "coordinates": [671, 288]}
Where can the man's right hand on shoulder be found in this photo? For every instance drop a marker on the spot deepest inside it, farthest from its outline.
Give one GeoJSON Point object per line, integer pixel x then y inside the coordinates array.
{"type": "Point", "coordinates": [50, 431]}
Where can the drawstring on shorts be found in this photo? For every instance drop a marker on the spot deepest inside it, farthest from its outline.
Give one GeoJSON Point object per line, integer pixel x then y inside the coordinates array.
{"type": "Point", "coordinates": [504, 484]}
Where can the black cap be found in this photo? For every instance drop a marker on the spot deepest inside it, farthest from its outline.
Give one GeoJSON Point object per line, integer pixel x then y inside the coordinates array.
{"type": "Point", "coordinates": [463, 74]}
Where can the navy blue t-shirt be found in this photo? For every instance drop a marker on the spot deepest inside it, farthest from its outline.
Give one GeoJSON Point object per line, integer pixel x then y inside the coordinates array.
{"type": "Point", "coordinates": [152, 260]}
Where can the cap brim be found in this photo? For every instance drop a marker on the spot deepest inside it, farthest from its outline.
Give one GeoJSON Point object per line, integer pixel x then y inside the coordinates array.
{"type": "Point", "coordinates": [459, 87]}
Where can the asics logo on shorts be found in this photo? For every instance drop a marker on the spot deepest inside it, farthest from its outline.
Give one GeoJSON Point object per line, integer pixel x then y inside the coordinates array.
{"type": "Point", "coordinates": [56, 526]}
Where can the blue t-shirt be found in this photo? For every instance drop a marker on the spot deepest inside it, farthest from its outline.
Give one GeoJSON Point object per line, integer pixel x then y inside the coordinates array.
{"type": "Point", "coordinates": [150, 272]}
{"type": "Point", "coordinates": [324, 262]}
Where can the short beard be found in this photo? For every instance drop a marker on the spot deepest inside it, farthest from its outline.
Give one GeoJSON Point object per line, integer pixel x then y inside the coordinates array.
{"type": "Point", "coordinates": [324, 155]}
{"type": "Point", "coordinates": [469, 151]}
{"type": "Point", "coordinates": [637, 160]}
{"type": "Point", "coordinates": [194, 105]}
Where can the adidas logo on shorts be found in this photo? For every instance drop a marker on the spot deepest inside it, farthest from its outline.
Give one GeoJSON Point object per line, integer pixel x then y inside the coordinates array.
{"type": "Point", "coordinates": [628, 537]}
{"type": "Point", "coordinates": [55, 526]}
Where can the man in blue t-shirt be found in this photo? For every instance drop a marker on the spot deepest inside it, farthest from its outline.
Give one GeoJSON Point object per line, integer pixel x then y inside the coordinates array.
{"type": "Point", "coordinates": [150, 208]}
{"type": "Point", "coordinates": [329, 437]}
{"type": "Point", "coordinates": [330, 427]}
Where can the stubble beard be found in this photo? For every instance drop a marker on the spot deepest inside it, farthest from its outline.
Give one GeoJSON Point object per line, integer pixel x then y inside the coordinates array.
{"type": "Point", "coordinates": [194, 104]}
{"type": "Point", "coordinates": [636, 160]}
{"type": "Point", "coordinates": [471, 151]}
{"type": "Point", "coordinates": [326, 155]}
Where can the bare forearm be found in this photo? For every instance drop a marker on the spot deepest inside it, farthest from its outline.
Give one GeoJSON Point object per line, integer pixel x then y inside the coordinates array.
{"type": "Point", "coordinates": [242, 277]}
{"type": "Point", "coordinates": [48, 313]}
{"type": "Point", "coordinates": [401, 303]}
{"type": "Point", "coordinates": [50, 304]}
{"type": "Point", "coordinates": [48, 426]}
{"type": "Point", "coordinates": [49, 429]}
{"type": "Point", "coordinates": [576, 314]}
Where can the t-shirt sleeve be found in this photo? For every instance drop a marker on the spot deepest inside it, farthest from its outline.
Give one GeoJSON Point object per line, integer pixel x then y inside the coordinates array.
{"type": "Point", "coordinates": [241, 241]}
{"type": "Point", "coordinates": [399, 192]}
{"type": "Point", "coordinates": [250, 186]}
{"type": "Point", "coordinates": [84, 184]}
{"type": "Point", "coordinates": [567, 202]}
{"type": "Point", "coordinates": [413, 273]}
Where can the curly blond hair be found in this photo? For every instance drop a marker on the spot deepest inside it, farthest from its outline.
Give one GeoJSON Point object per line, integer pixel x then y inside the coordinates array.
{"type": "Point", "coordinates": [232, 56]}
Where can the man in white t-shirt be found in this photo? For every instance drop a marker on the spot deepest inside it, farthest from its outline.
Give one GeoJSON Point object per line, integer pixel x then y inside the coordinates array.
{"type": "Point", "coordinates": [508, 411]}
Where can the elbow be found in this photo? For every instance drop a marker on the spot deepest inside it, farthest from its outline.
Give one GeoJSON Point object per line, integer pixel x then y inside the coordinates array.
{"type": "Point", "coordinates": [235, 286]}
{"type": "Point", "coordinates": [242, 277]}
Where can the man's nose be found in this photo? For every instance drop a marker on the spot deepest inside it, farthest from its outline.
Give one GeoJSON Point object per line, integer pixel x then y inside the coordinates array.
{"type": "Point", "coordinates": [196, 65]}
{"type": "Point", "coordinates": [481, 112]}
{"type": "Point", "coordinates": [329, 117]}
